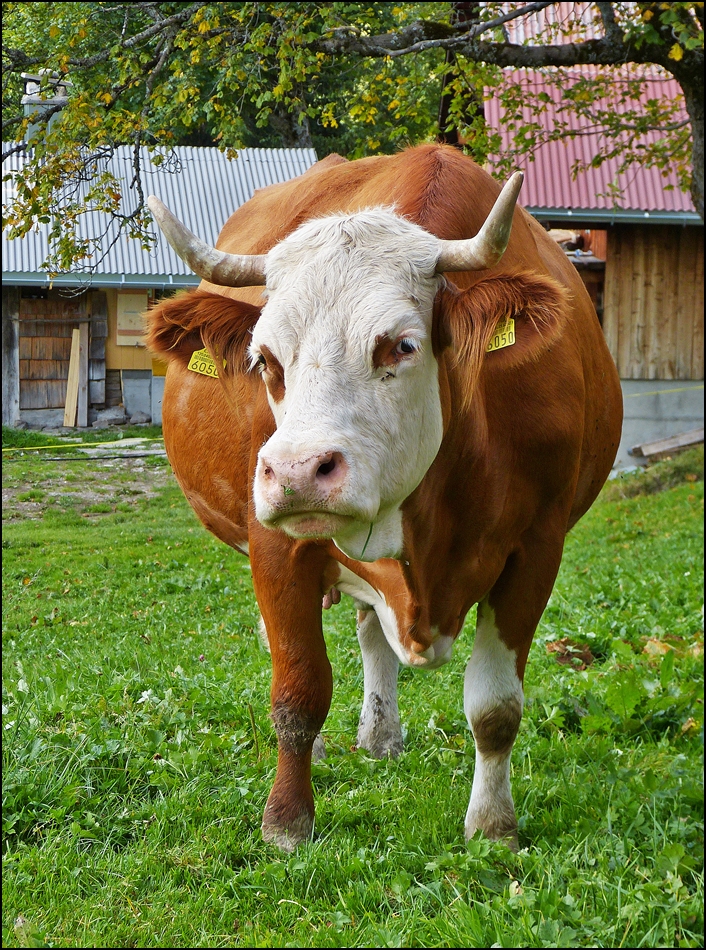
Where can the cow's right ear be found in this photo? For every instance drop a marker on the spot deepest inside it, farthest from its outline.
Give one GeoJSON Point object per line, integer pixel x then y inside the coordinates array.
{"type": "Point", "coordinates": [180, 325]}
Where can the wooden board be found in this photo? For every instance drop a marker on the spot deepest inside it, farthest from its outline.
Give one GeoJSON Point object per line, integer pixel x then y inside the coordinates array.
{"type": "Point", "coordinates": [66, 308]}
{"type": "Point", "coordinates": [44, 369]}
{"type": "Point", "coordinates": [697, 349]}
{"type": "Point", "coordinates": [82, 410]}
{"type": "Point", "coordinates": [130, 320]}
{"type": "Point", "coordinates": [48, 348]}
{"type": "Point", "coordinates": [42, 393]}
{"type": "Point", "coordinates": [96, 392]}
{"type": "Point", "coordinates": [664, 446]}
{"type": "Point", "coordinates": [47, 328]}
{"type": "Point", "coordinates": [72, 386]}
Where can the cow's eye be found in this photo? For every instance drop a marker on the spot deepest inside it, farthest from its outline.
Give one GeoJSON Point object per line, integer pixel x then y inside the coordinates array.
{"type": "Point", "coordinates": [405, 347]}
{"type": "Point", "coordinates": [261, 362]}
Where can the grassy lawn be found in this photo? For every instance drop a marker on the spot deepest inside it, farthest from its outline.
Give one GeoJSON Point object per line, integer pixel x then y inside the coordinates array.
{"type": "Point", "coordinates": [138, 752]}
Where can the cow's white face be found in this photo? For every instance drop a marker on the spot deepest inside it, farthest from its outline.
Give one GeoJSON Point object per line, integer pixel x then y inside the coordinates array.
{"type": "Point", "coordinates": [344, 345]}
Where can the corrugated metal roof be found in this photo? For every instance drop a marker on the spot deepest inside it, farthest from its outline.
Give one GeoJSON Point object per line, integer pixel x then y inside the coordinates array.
{"type": "Point", "coordinates": [644, 193]}
{"type": "Point", "coordinates": [564, 22]}
{"type": "Point", "coordinates": [199, 185]}
{"type": "Point", "coordinates": [549, 184]}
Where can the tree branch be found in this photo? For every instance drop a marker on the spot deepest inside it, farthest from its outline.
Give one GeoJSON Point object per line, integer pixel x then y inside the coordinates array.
{"type": "Point", "coordinates": [612, 30]}
{"type": "Point", "coordinates": [176, 20]}
{"type": "Point", "coordinates": [610, 50]}
{"type": "Point", "coordinates": [416, 38]}
{"type": "Point", "coordinates": [13, 121]}
{"type": "Point", "coordinates": [13, 149]}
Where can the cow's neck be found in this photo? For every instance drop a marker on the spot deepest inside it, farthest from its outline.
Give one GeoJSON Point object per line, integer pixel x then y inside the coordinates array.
{"type": "Point", "coordinates": [438, 533]}
{"type": "Point", "coordinates": [384, 538]}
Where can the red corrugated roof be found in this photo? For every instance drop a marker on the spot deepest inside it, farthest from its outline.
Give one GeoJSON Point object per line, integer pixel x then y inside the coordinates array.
{"type": "Point", "coordinates": [565, 22]}
{"type": "Point", "coordinates": [549, 182]}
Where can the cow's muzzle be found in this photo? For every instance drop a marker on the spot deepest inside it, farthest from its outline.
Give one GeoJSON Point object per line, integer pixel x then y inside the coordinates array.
{"type": "Point", "coordinates": [302, 494]}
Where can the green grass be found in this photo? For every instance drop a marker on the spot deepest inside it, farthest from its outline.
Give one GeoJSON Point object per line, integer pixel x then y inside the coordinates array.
{"type": "Point", "coordinates": [687, 465]}
{"type": "Point", "coordinates": [138, 752]}
{"type": "Point", "coordinates": [27, 438]}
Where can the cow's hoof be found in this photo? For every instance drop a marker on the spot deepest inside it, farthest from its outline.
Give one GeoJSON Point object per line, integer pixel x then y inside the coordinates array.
{"type": "Point", "coordinates": [379, 730]}
{"type": "Point", "coordinates": [501, 826]}
{"type": "Point", "coordinates": [318, 750]}
{"type": "Point", "coordinates": [381, 743]}
{"type": "Point", "coordinates": [290, 837]}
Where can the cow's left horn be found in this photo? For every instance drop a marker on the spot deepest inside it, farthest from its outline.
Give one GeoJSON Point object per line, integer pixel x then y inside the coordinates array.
{"type": "Point", "coordinates": [217, 267]}
{"type": "Point", "coordinates": [488, 246]}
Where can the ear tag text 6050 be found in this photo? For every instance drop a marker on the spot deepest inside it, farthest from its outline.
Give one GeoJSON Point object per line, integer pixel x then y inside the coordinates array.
{"type": "Point", "coordinates": [202, 362]}
{"type": "Point", "coordinates": [504, 335]}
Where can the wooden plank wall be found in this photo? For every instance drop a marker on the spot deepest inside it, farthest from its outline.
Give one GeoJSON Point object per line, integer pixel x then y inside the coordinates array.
{"type": "Point", "coordinates": [96, 353]}
{"type": "Point", "coordinates": [653, 314]}
{"type": "Point", "coordinates": [45, 348]}
{"type": "Point", "coordinates": [45, 328]}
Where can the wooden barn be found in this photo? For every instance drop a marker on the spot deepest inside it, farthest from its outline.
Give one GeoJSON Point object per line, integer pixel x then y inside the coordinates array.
{"type": "Point", "coordinates": [41, 319]}
{"type": "Point", "coordinates": [653, 319]}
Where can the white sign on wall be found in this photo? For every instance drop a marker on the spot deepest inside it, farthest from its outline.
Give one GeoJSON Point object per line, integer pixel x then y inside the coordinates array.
{"type": "Point", "coordinates": [131, 327]}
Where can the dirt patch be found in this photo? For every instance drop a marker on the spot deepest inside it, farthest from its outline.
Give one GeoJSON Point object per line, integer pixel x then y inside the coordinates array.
{"type": "Point", "coordinates": [93, 486]}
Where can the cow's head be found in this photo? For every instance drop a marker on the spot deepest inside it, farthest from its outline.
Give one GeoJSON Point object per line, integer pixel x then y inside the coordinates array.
{"type": "Point", "coordinates": [348, 353]}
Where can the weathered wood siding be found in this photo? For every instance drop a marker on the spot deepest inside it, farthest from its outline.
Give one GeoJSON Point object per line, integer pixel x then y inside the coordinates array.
{"type": "Point", "coordinates": [45, 347]}
{"type": "Point", "coordinates": [653, 312]}
{"type": "Point", "coordinates": [10, 355]}
{"type": "Point", "coordinates": [45, 327]}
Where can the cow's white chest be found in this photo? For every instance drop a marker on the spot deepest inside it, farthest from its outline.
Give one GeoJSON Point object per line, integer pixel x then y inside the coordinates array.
{"type": "Point", "coordinates": [438, 653]}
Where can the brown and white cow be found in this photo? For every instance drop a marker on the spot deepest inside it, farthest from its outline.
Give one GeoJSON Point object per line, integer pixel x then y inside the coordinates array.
{"type": "Point", "coordinates": [362, 437]}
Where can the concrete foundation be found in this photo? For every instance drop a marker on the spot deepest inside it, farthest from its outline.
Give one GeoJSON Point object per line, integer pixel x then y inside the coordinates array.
{"type": "Point", "coordinates": [137, 391]}
{"type": "Point", "coordinates": [657, 409]}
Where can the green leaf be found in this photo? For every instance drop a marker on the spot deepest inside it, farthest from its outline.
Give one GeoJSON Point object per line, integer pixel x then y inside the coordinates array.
{"type": "Point", "coordinates": [624, 693]}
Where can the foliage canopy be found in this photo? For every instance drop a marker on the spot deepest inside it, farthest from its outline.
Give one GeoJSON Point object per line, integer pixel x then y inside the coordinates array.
{"type": "Point", "coordinates": [356, 78]}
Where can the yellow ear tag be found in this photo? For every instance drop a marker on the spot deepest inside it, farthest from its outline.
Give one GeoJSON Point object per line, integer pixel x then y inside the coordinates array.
{"type": "Point", "coordinates": [202, 362]}
{"type": "Point", "coordinates": [504, 335]}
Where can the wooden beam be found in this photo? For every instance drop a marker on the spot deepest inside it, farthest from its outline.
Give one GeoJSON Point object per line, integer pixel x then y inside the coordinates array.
{"type": "Point", "coordinates": [10, 355]}
{"type": "Point", "coordinates": [82, 414]}
{"type": "Point", "coordinates": [72, 386]}
{"type": "Point", "coordinates": [663, 446]}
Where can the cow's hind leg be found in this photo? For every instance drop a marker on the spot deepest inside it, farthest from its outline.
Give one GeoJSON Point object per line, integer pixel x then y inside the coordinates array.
{"type": "Point", "coordinates": [493, 695]}
{"type": "Point", "coordinates": [379, 729]}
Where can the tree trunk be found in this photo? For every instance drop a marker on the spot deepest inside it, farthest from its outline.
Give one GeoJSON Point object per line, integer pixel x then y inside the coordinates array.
{"type": "Point", "coordinates": [694, 99]}
{"type": "Point", "coordinates": [292, 127]}
{"type": "Point", "coordinates": [467, 14]}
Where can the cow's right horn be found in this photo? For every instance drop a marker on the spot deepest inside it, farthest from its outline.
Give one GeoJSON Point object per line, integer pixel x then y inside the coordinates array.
{"type": "Point", "coordinates": [217, 267]}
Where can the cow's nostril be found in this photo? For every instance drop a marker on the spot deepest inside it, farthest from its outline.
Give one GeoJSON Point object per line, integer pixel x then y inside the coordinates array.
{"type": "Point", "coordinates": [327, 467]}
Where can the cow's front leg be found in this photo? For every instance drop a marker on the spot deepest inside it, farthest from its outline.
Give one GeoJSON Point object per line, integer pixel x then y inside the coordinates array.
{"type": "Point", "coordinates": [493, 694]}
{"type": "Point", "coordinates": [493, 701]}
{"type": "Point", "coordinates": [379, 728]}
{"type": "Point", "coordinates": [288, 583]}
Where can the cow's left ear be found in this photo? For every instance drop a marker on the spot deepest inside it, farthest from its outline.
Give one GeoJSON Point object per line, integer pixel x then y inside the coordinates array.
{"type": "Point", "coordinates": [472, 320]}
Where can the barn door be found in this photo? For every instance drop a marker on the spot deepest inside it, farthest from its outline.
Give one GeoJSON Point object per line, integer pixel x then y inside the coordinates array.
{"type": "Point", "coordinates": [46, 324]}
